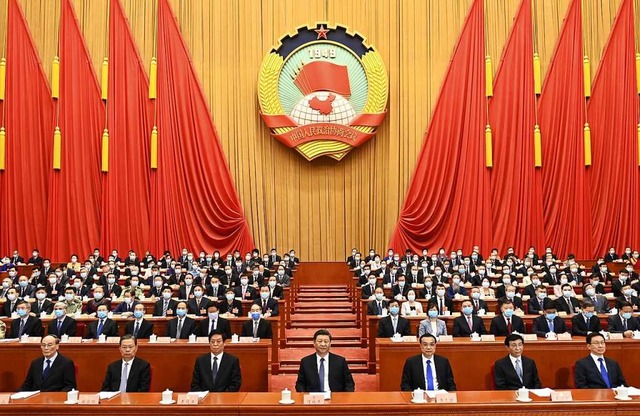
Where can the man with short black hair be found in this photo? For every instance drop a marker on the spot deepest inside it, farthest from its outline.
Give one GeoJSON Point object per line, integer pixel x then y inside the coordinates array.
{"type": "Point", "coordinates": [515, 371]}
{"type": "Point", "coordinates": [52, 371]}
{"type": "Point", "coordinates": [130, 374]}
{"type": "Point", "coordinates": [216, 371]}
{"type": "Point", "coordinates": [427, 371]}
{"type": "Point", "coordinates": [596, 371]}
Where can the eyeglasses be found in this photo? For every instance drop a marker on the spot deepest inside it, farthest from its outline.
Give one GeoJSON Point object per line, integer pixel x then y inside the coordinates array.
{"type": "Point", "coordinates": [45, 346]}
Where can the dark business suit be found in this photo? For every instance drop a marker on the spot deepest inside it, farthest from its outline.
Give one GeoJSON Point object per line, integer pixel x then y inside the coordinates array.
{"type": "Point", "coordinates": [47, 306]}
{"type": "Point", "coordinates": [32, 327]}
{"type": "Point", "coordinates": [368, 291]}
{"type": "Point", "coordinates": [123, 307]}
{"type": "Point", "coordinates": [541, 326]}
{"type": "Point", "coordinates": [372, 307]}
{"type": "Point", "coordinates": [195, 309]}
{"type": "Point", "coordinates": [579, 325]}
{"type": "Point", "coordinates": [264, 329]}
{"type": "Point", "coordinates": [461, 326]}
{"type": "Point", "coordinates": [340, 379]}
{"type": "Point", "coordinates": [139, 376]}
{"type": "Point", "coordinates": [145, 331]}
{"type": "Point", "coordinates": [68, 327]}
{"type": "Point", "coordinates": [189, 327]}
{"type": "Point", "coordinates": [448, 304]}
{"type": "Point", "coordinates": [229, 377]}
{"type": "Point", "coordinates": [385, 327]}
{"type": "Point", "coordinates": [499, 325]}
{"type": "Point", "coordinates": [506, 378]}
{"type": "Point", "coordinates": [562, 306]}
{"type": "Point", "coordinates": [271, 304]}
{"type": "Point", "coordinates": [62, 376]}
{"type": "Point", "coordinates": [534, 305]}
{"type": "Point", "coordinates": [588, 376]}
{"type": "Point", "coordinates": [222, 325]}
{"type": "Point", "coordinates": [109, 329]}
{"type": "Point", "coordinates": [616, 325]}
{"type": "Point", "coordinates": [159, 306]}
{"type": "Point", "coordinates": [28, 290]}
{"type": "Point", "coordinates": [414, 377]}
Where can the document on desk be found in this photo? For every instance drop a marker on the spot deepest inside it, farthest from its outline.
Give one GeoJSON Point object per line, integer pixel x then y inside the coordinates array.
{"type": "Point", "coordinates": [633, 391]}
{"type": "Point", "coordinates": [108, 395]}
{"type": "Point", "coordinates": [546, 392]}
{"type": "Point", "coordinates": [432, 393]}
{"type": "Point", "coordinates": [201, 394]}
{"type": "Point", "coordinates": [23, 394]}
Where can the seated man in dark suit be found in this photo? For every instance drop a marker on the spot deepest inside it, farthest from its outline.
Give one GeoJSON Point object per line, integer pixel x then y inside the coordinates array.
{"type": "Point", "coordinates": [313, 376]}
{"type": "Point", "coordinates": [25, 324]}
{"type": "Point", "coordinates": [63, 324]}
{"type": "Point", "coordinates": [443, 303]}
{"type": "Point", "coordinates": [128, 304]}
{"type": "Point", "coordinates": [600, 303]}
{"type": "Point", "coordinates": [41, 304]}
{"type": "Point", "coordinates": [256, 326]}
{"type": "Point", "coordinates": [596, 371]}
{"type": "Point", "coordinates": [549, 323]}
{"type": "Point", "coordinates": [506, 323]}
{"type": "Point", "coordinates": [368, 290]}
{"type": "Point", "coordinates": [567, 303]}
{"type": "Point", "coordinates": [627, 296]}
{"type": "Point", "coordinates": [515, 370]}
{"type": "Point", "coordinates": [461, 325]}
{"type": "Point", "coordinates": [427, 371]}
{"type": "Point", "coordinates": [181, 326]}
{"type": "Point", "coordinates": [137, 370]}
{"type": "Point", "coordinates": [139, 327]}
{"type": "Point", "coordinates": [199, 303]}
{"type": "Point", "coordinates": [476, 302]}
{"type": "Point", "coordinates": [586, 322]}
{"type": "Point", "coordinates": [540, 302]}
{"type": "Point", "coordinates": [268, 304]}
{"type": "Point", "coordinates": [624, 322]}
{"type": "Point", "coordinates": [103, 325]}
{"type": "Point", "coordinates": [216, 371]}
{"type": "Point", "coordinates": [510, 296]}
{"type": "Point", "coordinates": [214, 323]}
{"type": "Point", "coordinates": [393, 323]}
{"type": "Point", "coordinates": [376, 306]}
{"type": "Point", "coordinates": [52, 371]}
{"type": "Point", "coordinates": [98, 299]}
{"type": "Point", "coordinates": [165, 306]}
{"type": "Point", "coordinates": [11, 301]}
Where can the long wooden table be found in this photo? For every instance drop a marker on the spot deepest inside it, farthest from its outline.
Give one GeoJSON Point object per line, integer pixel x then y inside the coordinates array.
{"type": "Point", "coordinates": [472, 362]}
{"type": "Point", "coordinates": [171, 364]}
{"type": "Point", "coordinates": [487, 403]}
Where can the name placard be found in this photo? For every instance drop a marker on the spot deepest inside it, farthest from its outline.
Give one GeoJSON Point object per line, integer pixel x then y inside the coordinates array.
{"type": "Point", "coordinates": [248, 340]}
{"type": "Point", "coordinates": [446, 398]}
{"type": "Point", "coordinates": [4, 398]}
{"type": "Point", "coordinates": [486, 337]}
{"type": "Point", "coordinates": [313, 398]}
{"type": "Point", "coordinates": [188, 399]}
{"type": "Point", "coordinates": [564, 336]}
{"type": "Point", "coordinates": [92, 399]}
{"type": "Point", "coordinates": [113, 340]}
{"type": "Point", "coordinates": [562, 314]}
{"type": "Point", "coordinates": [445, 338]}
{"type": "Point", "coordinates": [72, 340]}
{"type": "Point", "coordinates": [561, 396]}
{"type": "Point", "coordinates": [410, 338]}
{"type": "Point", "coordinates": [163, 340]}
{"type": "Point", "coordinates": [31, 340]}
{"type": "Point", "coordinates": [615, 335]}
{"type": "Point", "coordinates": [530, 337]}
{"type": "Point", "coordinates": [202, 340]}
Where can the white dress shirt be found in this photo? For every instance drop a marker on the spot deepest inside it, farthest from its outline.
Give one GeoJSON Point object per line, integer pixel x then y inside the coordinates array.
{"type": "Point", "coordinates": [326, 371]}
{"type": "Point", "coordinates": [433, 371]}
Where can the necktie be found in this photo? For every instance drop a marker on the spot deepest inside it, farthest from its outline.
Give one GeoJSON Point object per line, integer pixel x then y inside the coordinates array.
{"type": "Point", "coordinates": [551, 326]}
{"type": "Point", "coordinates": [136, 329]}
{"type": "Point", "coordinates": [604, 373]}
{"type": "Point", "coordinates": [179, 331]}
{"type": "Point", "coordinates": [477, 306]}
{"type": "Point", "coordinates": [509, 327]}
{"type": "Point", "coordinates": [264, 306]}
{"type": "Point", "coordinates": [212, 326]}
{"type": "Point", "coordinates": [321, 374]}
{"type": "Point", "coordinates": [255, 329]}
{"type": "Point", "coordinates": [123, 378]}
{"type": "Point", "coordinates": [215, 292]}
{"type": "Point", "coordinates": [214, 370]}
{"type": "Point", "coordinates": [625, 324]}
{"type": "Point", "coordinates": [100, 327]}
{"type": "Point", "coordinates": [569, 304]}
{"type": "Point", "coordinates": [470, 322]}
{"type": "Point", "coordinates": [165, 306]}
{"type": "Point", "coordinates": [541, 306]}
{"type": "Point", "coordinates": [429, 376]}
{"type": "Point", "coordinates": [198, 305]}
{"type": "Point", "coordinates": [379, 308]}
{"type": "Point", "coordinates": [394, 321]}
{"type": "Point", "coordinates": [47, 369]}
{"type": "Point", "coordinates": [519, 369]}
{"type": "Point", "coordinates": [441, 307]}
{"type": "Point", "coordinates": [21, 329]}
{"type": "Point", "coordinates": [39, 306]}
{"type": "Point", "coordinates": [586, 319]}
{"type": "Point", "coordinates": [59, 326]}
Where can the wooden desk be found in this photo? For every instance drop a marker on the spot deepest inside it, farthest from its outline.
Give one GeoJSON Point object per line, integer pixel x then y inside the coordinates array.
{"type": "Point", "coordinates": [487, 403]}
{"type": "Point", "coordinates": [171, 364]}
{"type": "Point", "coordinates": [472, 361]}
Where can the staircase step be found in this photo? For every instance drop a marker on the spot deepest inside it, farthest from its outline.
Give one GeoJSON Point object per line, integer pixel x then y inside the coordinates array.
{"type": "Point", "coordinates": [323, 325]}
{"type": "Point", "coordinates": [355, 343]}
{"type": "Point", "coordinates": [339, 317]}
{"type": "Point", "coordinates": [296, 334]}
{"type": "Point", "coordinates": [355, 368]}
{"type": "Point", "coordinates": [327, 305]}
{"type": "Point", "coordinates": [290, 356]}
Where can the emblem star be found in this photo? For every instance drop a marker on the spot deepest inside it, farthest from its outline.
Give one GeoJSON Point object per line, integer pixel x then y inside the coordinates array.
{"type": "Point", "coordinates": [322, 32]}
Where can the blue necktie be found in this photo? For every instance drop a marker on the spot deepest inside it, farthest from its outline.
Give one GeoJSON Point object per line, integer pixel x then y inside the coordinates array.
{"type": "Point", "coordinates": [551, 326]}
{"type": "Point", "coordinates": [321, 374]}
{"type": "Point", "coordinates": [604, 374]}
{"type": "Point", "coordinates": [59, 326]}
{"type": "Point", "coordinates": [429, 376]}
{"type": "Point", "coordinates": [214, 370]}
{"type": "Point", "coordinates": [46, 371]}
{"type": "Point", "coordinates": [100, 327]}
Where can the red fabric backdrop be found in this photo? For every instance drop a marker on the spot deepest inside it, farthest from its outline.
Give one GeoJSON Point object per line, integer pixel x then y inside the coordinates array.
{"type": "Point", "coordinates": [126, 188]}
{"type": "Point", "coordinates": [193, 201]}
{"type": "Point", "coordinates": [567, 212]}
{"type": "Point", "coordinates": [448, 199]}
{"type": "Point", "coordinates": [73, 224]}
{"type": "Point", "coordinates": [29, 124]}
{"type": "Point", "coordinates": [612, 113]}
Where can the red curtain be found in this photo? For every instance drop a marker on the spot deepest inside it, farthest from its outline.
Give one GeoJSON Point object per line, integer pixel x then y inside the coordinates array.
{"type": "Point", "coordinates": [567, 212]}
{"type": "Point", "coordinates": [194, 201]}
{"type": "Point", "coordinates": [75, 190]}
{"type": "Point", "coordinates": [448, 201]}
{"type": "Point", "coordinates": [29, 125]}
{"type": "Point", "coordinates": [516, 188]}
{"type": "Point", "coordinates": [612, 112]}
{"type": "Point", "coordinates": [126, 187]}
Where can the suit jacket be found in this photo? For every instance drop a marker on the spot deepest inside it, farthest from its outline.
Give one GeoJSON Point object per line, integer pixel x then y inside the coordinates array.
{"type": "Point", "coordinates": [340, 379]}
{"type": "Point", "coordinates": [534, 305]}
{"type": "Point", "coordinates": [385, 327]}
{"type": "Point", "coordinates": [158, 306]}
{"type": "Point", "coordinates": [222, 325]}
{"type": "Point", "coordinates": [499, 325]}
{"type": "Point", "coordinates": [123, 307]}
{"type": "Point", "coordinates": [264, 329]}
{"type": "Point", "coordinates": [109, 329]}
{"type": "Point", "coordinates": [579, 325]}
{"type": "Point", "coordinates": [25, 291]}
{"type": "Point", "coordinates": [588, 376]}
{"type": "Point", "coordinates": [62, 376]}
{"type": "Point", "coordinates": [249, 293]}
{"type": "Point", "coordinates": [47, 306]}
{"type": "Point", "coordinates": [541, 326]}
{"type": "Point", "coordinates": [425, 328]}
{"type": "Point", "coordinates": [561, 305]}
{"type": "Point", "coordinates": [600, 303]}
{"type": "Point", "coordinates": [115, 290]}
{"type": "Point", "coordinates": [69, 326]}
{"type": "Point", "coordinates": [372, 306]}
{"type": "Point", "coordinates": [277, 292]}
{"type": "Point", "coordinates": [395, 290]}
{"type": "Point", "coordinates": [367, 291]}
{"type": "Point", "coordinates": [506, 378]}
{"type": "Point", "coordinates": [145, 331]}
{"type": "Point", "coordinates": [448, 304]}
{"type": "Point", "coordinates": [229, 377]}
{"type": "Point", "coordinates": [182, 292]}
{"type": "Point", "coordinates": [615, 324]}
{"type": "Point", "coordinates": [481, 305]}
{"type": "Point", "coordinates": [461, 326]}
{"type": "Point", "coordinates": [32, 327]}
{"type": "Point", "coordinates": [272, 304]}
{"type": "Point", "coordinates": [225, 307]}
{"type": "Point", "coordinates": [413, 375]}
{"type": "Point", "coordinates": [8, 307]}
{"type": "Point", "coordinates": [189, 326]}
{"type": "Point", "coordinates": [194, 309]}
{"type": "Point", "coordinates": [139, 376]}
{"type": "Point", "coordinates": [633, 300]}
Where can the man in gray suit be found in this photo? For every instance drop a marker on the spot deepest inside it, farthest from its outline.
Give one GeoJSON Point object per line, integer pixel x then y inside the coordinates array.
{"type": "Point", "coordinates": [600, 303]}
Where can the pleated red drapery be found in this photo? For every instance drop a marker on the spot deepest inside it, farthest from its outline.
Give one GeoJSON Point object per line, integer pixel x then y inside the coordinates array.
{"type": "Point", "coordinates": [126, 187]}
{"type": "Point", "coordinates": [612, 114]}
{"type": "Point", "coordinates": [75, 191]}
{"type": "Point", "coordinates": [194, 202]}
{"type": "Point", "coordinates": [29, 122]}
{"type": "Point", "coordinates": [448, 198]}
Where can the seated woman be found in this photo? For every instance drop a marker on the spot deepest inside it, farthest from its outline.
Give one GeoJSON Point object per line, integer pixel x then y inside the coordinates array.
{"type": "Point", "coordinates": [485, 290]}
{"type": "Point", "coordinates": [411, 307]}
{"type": "Point", "coordinates": [432, 325]}
{"type": "Point", "coordinates": [456, 288]}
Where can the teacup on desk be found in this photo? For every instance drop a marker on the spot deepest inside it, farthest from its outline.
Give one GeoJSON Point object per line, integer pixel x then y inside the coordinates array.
{"type": "Point", "coordinates": [522, 394]}
{"type": "Point", "coordinates": [417, 396]}
{"type": "Point", "coordinates": [622, 393]}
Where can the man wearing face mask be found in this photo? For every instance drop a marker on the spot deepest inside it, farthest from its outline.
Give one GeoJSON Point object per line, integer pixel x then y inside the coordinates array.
{"type": "Point", "coordinates": [568, 303]}
{"type": "Point", "coordinates": [393, 323]}
{"type": "Point", "coordinates": [80, 290]}
{"type": "Point", "coordinates": [268, 305]}
{"type": "Point", "coordinates": [11, 302]}
{"type": "Point", "coordinates": [282, 277]}
{"type": "Point", "coordinates": [128, 304]}
{"type": "Point", "coordinates": [256, 280]}
{"type": "Point", "coordinates": [165, 306]}
{"type": "Point", "coordinates": [506, 323]}
{"type": "Point", "coordinates": [276, 290]}
{"type": "Point", "coordinates": [627, 296]}
{"type": "Point", "coordinates": [428, 291]}
{"type": "Point", "coordinates": [456, 287]}
{"type": "Point", "coordinates": [539, 303]}
{"type": "Point", "coordinates": [229, 279]}
{"type": "Point", "coordinates": [363, 274]}
{"type": "Point", "coordinates": [62, 325]}
{"type": "Point", "coordinates": [186, 290]}
{"type": "Point", "coordinates": [616, 285]}
{"type": "Point", "coordinates": [600, 303]}
{"type": "Point", "coordinates": [134, 285]}
{"type": "Point", "coordinates": [231, 305]}
{"type": "Point", "coordinates": [25, 324]}
{"type": "Point", "coordinates": [603, 274]}
{"type": "Point", "coordinates": [510, 296]}
{"type": "Point", "coordinates": [244, 291]}
{"type": "Point", "coordinates": [41, 304]}
{"type": "Point", "coordinates": [72, 302]}
{"type": "Point", "coordinates": [214, 322]}
{"type": "Point", "coordinates": [256, 326]}
{"type": "Point", "coordinates": [549, 323]}
{"type": "Point", "coordinates": [98, 299]}
{"type": "Point", "coordinates": [623, 322]}
{"type": "Point", "coordinates": [54, 288]}
{"type": "Point", "coordinates": [586, 322]}
{"type": "Point", "coordinates": [378, 304]}
{"type": "Point", "coordinates": [111, 287]}
{"type": "Point", "coordinates": [443, 302]}
{"type": "Point", "coordinates": [215, 290]}
{"type": "Point", "coordinates": [158, 285]}
{"type": "Point", "coordinates": [199, 303]}
{"type": "Point", "coordinates": [181, 326]}
{"type": "Point", "coordinates": [140, 328]}
{"type": "Point", "coordinates": [468, 323]}
{"type": "Point", "coordinates": [25, 290]}
{"type": "Point", "coordinates": [103, 326]}
{"type": "Point", "coordinates": [399, 291]}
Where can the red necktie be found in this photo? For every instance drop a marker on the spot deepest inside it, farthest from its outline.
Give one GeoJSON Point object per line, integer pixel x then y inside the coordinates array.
{"type": "Point", "coordinates": [509, 328]}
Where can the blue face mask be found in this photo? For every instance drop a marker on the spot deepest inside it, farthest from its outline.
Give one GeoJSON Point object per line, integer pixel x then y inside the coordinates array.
{"type": "Point", "coordinates": [467, 310]}
{"type": "Point", "coordinates": [433, 314]}
{"type": "Point", "coordinates": [102, 314]}
{"type": "Point", "coordinates": [181, 312]}
{"type": "Point", "coordinates": [394, 310]}
{"type": "Point", "coordinates": [255, 315]}
{"type": "Point", "coordinates": [626, 315]}
{"type": "Point", "coordinates": [23, 283]}
{"type": "Point", "coordinates": [588, 315]}
{"type": "Point", "coordinates": [21, 312]}
{"type": "Point", "coordinates": [58, 313]}
{"type": "Point", "coordinates": [551, 316]}
{"type": "Point", "coordinates": [138, 314]}
{"type": "Point", "coordinates": [508, 313]}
